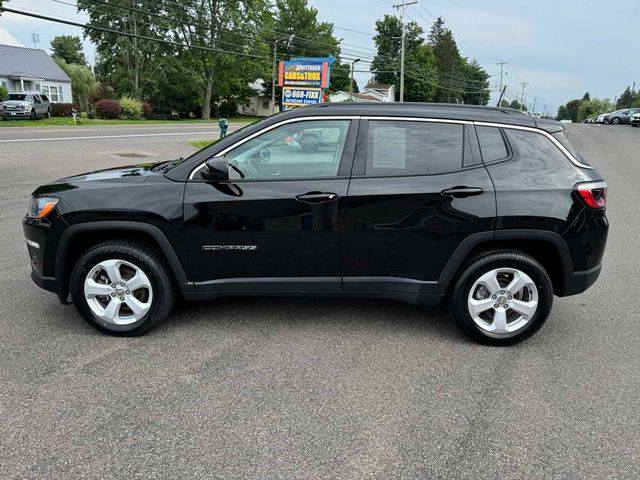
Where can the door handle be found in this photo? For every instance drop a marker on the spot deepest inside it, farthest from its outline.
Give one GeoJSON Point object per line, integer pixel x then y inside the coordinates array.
{"type": "Point", "coordinates": [462, 192]}
{"type": "Point", "coordinates": [317, 197]}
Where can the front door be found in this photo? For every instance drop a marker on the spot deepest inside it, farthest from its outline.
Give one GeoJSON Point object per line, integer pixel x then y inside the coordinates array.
{"type": "Point", "coordinates": [277, 225]}
{"type": "Point", "coordinates": [417, 192]}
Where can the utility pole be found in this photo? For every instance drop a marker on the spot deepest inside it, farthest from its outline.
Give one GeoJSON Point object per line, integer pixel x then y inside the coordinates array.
{"type": "Point", "coordinates": [524, 84]}
{"type": "Point", "coordinates": [502, 63]}
{"type": "Point", "coordinates": [633, 89]}
{"type": "Point", "coordinates": [35, 38]}
{"type": "Point", "coordinates": [533, 110]}
{"type": "Point", "coordinates": [275, 69]}
{"type": "Point", "coordinates": [273, 83]}
{"type": "Point", "coordinates": [403, 6]}
{"type": "Point", "coordinates": [544, 110]}
{"type": "Point", "coordinates": [351, 81]}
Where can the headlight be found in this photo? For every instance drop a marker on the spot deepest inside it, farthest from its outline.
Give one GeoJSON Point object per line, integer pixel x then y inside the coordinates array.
{"type": "Point", "coordinates": [40, 207]}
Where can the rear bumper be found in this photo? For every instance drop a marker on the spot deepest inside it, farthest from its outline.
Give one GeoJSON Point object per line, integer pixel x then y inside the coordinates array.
{"type": "Point", "coordinates": [578, 282]}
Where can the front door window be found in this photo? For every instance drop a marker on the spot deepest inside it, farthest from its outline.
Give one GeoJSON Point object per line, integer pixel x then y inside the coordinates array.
{"type": "Point", "coordinates": [301, 150]}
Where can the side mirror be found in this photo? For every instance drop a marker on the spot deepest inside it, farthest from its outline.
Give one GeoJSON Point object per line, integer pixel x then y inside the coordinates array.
{"type": "Point", "coordinates": [216, 170]}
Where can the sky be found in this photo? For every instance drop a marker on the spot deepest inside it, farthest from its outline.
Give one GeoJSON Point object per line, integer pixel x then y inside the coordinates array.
{"type": "Point", "coordinates": [561, 48]}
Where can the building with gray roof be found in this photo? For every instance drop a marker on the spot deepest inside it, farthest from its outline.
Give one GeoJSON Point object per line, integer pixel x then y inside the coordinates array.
{"type": "Point", "coordinates": [33, 70]}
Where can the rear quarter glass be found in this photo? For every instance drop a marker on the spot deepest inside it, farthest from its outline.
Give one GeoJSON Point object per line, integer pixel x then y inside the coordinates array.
{"type": "Point", "coordinates": [564, 141]}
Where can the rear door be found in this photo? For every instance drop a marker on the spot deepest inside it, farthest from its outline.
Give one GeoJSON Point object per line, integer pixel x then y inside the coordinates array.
{"type": "Point", "coordinates": [278, 227]}
{"type": "Point", "coordinates": [418, 190]}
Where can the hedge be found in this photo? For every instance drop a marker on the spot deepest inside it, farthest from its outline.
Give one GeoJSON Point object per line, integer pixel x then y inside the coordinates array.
{"type": "Point", "coordinates": [63, 109]}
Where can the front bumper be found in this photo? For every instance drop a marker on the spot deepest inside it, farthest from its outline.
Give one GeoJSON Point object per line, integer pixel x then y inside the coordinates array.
{"type": "Point", "coordinates": [36, 234]}
{"type": "Point", "coordinates": [16, 114]}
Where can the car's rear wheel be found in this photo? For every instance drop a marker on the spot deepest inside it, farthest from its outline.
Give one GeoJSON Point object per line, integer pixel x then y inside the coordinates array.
{"type": "Point", "coordinates": [123, 288]}
{"type": "Point", "coordinates": [616, 121]}
{"type": "Point", "coordinates": [502, 298]}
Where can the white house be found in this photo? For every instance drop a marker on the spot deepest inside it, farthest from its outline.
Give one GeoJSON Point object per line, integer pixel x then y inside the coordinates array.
{"type": "Point", "coordinates": [373, 92]}
{"type": "Point", "coordinates": [260, 105]}
{"type": "Point", "coordinates": [32, 70]}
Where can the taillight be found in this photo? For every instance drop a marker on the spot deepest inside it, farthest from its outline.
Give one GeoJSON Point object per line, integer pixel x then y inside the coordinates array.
{"type": "Point", "coordinates": [594, 194]}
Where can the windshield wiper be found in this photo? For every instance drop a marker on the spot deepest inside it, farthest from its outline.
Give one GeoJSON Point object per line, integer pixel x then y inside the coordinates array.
{"type": "Point", "coordinates": [164, 167]}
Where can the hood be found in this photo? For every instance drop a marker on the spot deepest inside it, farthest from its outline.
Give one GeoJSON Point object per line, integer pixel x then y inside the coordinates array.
{"type": "Point", "coordinates": [131, 174]}
{"type": "Point", "coordinates": [15, 103]}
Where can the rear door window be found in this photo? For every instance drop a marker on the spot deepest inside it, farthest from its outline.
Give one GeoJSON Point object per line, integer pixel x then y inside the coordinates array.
{"type": "Point", "coordinates": [403, 148]}
{"type": "Point", "coordinates": [492, 144]}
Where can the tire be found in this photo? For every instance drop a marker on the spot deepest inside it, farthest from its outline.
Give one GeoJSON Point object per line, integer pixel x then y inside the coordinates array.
{"type": "Point", "coordinates": [616, 121]}
{"type": "Point", "coordinates": [518, 327]}
{"type": "Point", "coordinates": [48, 113]}
{"type": "Point", "coordinates": [33, 115]}
{"type": "Point", "coordinates": [153, 300]}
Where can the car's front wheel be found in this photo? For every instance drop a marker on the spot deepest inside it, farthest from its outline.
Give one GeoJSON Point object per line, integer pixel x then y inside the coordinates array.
{"type": "Point", "coordinates": [123, 288]}
{"type": "Point", "coordinates": [616, 121]}
{"type": "Point", "coordinates": [502, 298]}
{"type": "Point", "coordinates": [33, 115]}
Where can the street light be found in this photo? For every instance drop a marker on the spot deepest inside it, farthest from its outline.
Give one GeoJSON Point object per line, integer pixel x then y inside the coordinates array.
{"type": "Point", "coordinates": [351, 82]}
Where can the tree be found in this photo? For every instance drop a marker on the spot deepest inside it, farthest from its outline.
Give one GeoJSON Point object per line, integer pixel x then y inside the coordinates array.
{"type": "Point", "coordinates": [229, 25]}
{"type": "Point", "coordinates": [515, 104]}
{"type": "Point", "coordinates": [341, 77]}
{"type": "Point", "coordinates": [563, 114]}
{"type": "Point", "coordinates": [570, 110]}
{"type": "Point", "coordinates": [449, 63]}
{"type": "Point", "coordinates": [592, 108]}
{"type": "Point", "coordinates": [3, 92]}
{"type": "Point", "coordinates": [627, 99]}
{"type": "Point", "coordinates": [129, 65]}
{"type": "Point", "coordinates": [420, 62]}
{"type": "Point", "coordinates": [476, 83]}
{"type": "Point", "coordinates": [295, 23]}
{"type": "Point", "coordinates": [83, 83]}
{"type": "Point", "coordinates": [69, 49]}
{"type": "Point", "coordinates": [586, 97]}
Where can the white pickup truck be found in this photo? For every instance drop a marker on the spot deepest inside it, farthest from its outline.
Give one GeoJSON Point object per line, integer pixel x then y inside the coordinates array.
{"type": "Point", "coordinates": [25, 105]}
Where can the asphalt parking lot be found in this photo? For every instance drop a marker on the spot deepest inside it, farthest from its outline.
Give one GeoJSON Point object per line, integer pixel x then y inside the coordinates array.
{"type": "Point", "coordinates": [322, 388]}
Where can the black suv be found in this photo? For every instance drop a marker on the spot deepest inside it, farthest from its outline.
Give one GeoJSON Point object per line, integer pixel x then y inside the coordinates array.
{"type": "Point", "coordinates": [415, 202]}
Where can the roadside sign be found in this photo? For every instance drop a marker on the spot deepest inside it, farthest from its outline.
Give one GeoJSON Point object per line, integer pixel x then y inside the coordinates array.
{"type": "Point", "coordinates": [295, 97]}
{"type": "Point", "coordinates": [304, 74]}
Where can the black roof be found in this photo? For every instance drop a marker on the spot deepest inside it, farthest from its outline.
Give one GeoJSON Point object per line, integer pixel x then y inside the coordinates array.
{"type": "Point", "coordinates": [477, 113]}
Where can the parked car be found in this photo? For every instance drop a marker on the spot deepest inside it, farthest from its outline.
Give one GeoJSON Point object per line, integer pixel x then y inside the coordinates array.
{"type": "Point", "coordinates": [635, 120]}
{"type": "Point", "coordinates": [620, 117]}
{"type": "Point", "coordinates": [489, 208]}
{"type": "Point", "coordinates": [600, 118]}
{"type": "Point", "coordinates": [25, 105]}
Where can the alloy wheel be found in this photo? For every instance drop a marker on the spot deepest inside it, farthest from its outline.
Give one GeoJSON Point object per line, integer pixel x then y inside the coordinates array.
{"type": "Point", "coordinates": [118, 292]}
{"type": "Point", "coordinates": [503, 301]}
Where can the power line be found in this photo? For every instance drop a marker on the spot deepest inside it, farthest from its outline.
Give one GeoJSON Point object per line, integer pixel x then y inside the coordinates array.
{"type": "Point", "coordinates": [127, 34]}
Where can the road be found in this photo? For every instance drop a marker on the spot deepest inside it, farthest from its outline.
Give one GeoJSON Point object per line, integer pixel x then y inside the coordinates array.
{"type": "Point", "coordinates": [321, 388]}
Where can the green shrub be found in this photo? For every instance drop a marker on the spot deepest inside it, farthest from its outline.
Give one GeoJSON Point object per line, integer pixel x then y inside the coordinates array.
{"type": "Point", "coordinates": [131, 108]}
{"type": "Point", "coordinates": [3, 92]}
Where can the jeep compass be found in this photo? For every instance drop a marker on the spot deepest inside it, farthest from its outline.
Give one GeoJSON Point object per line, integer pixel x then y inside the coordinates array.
{"type": "Point", "coordinates": [489, 209]}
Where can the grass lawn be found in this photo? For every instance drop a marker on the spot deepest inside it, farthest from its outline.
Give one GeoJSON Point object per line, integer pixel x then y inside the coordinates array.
{"type": "Point", "coordinates": [58, 121]}
{"type": "Point", "coordinates": [202, 143]}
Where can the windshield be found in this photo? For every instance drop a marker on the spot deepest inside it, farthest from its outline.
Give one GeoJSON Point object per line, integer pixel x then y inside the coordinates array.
{"type": "Point", "coordinates": [564, 140]}
{"type": "Point", "coordinates": [18, 96]}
